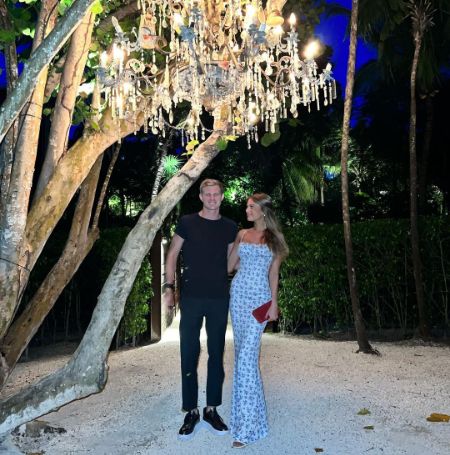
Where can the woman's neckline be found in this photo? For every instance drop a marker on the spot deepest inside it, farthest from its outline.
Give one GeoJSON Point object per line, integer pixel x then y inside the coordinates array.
{"type": "Point", "coordinates": [253, 243]}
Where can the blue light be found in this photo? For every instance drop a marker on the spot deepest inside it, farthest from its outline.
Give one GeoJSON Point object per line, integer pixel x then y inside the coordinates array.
{"type": "Point", "coordinates": [332, 31]}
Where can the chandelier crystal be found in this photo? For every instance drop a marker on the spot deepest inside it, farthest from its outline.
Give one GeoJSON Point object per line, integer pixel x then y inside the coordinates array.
{"type": "Point", "coordinates": [208, 54]}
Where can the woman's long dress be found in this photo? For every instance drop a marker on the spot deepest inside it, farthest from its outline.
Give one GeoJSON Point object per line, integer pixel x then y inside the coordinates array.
{"type": "Point", "coordinates": [249, 289]}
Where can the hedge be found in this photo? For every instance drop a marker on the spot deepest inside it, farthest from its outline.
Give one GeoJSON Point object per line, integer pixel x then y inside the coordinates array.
{"type": "Point", "coordinates": [314, 291]}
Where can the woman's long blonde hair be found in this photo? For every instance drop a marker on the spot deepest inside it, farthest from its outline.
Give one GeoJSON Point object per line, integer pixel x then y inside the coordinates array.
{"type": "Point", "coordinates": [272, 235]}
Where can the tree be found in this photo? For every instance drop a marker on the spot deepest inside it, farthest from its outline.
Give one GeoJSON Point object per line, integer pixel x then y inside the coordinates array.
{"type": "Point", "coordinates": [65, 170]}
{"type": "Point", "coordinates": [86, 372]}
{"type": "Point", "coordinates": [39, 61]}
{"type": "Point", "coordinates": [383, 23]}
{"type": "Point", "coordinates": [421, 14]}
{"type": "Point", "coordinates": [361, 335]}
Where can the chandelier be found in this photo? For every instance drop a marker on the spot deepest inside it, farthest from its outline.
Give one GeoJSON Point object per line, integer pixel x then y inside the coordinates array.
{"type": "Point", "coordinates": [203, 55]}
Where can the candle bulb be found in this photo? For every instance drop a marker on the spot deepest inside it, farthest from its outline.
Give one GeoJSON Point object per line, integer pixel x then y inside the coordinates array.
{"type": "Point", "coordinates": [292, 21]}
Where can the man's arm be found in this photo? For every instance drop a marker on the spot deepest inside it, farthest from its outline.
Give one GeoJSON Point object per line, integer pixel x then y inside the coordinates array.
{"type": "Point", "coordinates": [171, 265]}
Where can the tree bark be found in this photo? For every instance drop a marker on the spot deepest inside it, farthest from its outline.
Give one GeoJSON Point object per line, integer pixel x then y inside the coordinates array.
{"type": "Point", "coordinates": [38, 62]}
{"type": "Point", "coordinates": [429, 108]}
{"type": "Point", "coordinates": [159, 173]}
{"type": "Point", "coordinates": [48, 209]}
{"type": "Point", "coordinates": [363, 342]}
{"type": "Point", "coordinates": [54, 76]}
{"type": "Point", "coordinates": [72, 169]}
{"type": "Point", "coordinates": [86, 372]}
{"type": "Point", "coordinates": [12, 75]}
{"type": "Point", "coordinates": [415, 247]}
{"type": "Point", "coordinates": [65, 102]}
{"type": "Point", "coordinates": [14, 214]}
{"type": "Point", "coordinates": [79, 243]}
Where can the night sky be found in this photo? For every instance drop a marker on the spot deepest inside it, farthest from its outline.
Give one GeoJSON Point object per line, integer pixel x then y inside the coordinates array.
{"type": "Point", "coordinates": [332, 31]}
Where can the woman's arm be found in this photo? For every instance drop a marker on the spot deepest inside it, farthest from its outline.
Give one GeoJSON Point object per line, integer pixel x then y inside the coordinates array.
{"type": "Point", "coordinates": [274, 270]}
{"type": "Point", "coordinates": [233, 257]}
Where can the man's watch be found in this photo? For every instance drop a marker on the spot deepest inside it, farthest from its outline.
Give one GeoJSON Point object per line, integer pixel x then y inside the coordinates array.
{"type": "Point", "coordinates": [168, 286]}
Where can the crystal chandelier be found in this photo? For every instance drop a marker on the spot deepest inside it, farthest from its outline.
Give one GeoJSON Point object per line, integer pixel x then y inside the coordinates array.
{"type": "Point", "coordinates": [202, 55]}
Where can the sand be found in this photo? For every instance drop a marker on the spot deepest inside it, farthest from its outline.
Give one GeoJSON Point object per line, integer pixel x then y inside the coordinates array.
{"type": "Point", "coordinates": [314, 391]}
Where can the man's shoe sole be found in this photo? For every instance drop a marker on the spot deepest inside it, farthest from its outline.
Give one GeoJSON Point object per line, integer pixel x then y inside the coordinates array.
{"type": "Point", "coordinates": [187, 437]}
{"type": "Point", "coordinates": [209, 427]}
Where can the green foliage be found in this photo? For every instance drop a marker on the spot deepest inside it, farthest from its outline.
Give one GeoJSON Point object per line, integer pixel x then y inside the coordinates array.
{"type": "Point", "coordinates": [63, 6]}
{"type": "Point", "coordinates": [7, 37]}
{"type": "Point", "coordinates": [222, 144]}
{"type": "Point", "coordinates": [314, 287]}
{"type": "Point", "coordinates": [81, 112]}
{"type": "Point", "coordinates": [171, 165]}
{"type": "Point", "coordinates": [97, 7]}
{"type": "Point", "coordinates": [270, 138]}
{"type": "Point", "coordinates": [22, 21]}
{"type": "Point", "coordinates": [313, 277]}
{"type": "Point", "coordinates": [134, 321]}
{"type": "Point", "coordinates": [238, 189]}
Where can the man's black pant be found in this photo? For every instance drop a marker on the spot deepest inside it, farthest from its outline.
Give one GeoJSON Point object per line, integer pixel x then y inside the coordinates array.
{"type": "Point", "coordinates": [215, 312]}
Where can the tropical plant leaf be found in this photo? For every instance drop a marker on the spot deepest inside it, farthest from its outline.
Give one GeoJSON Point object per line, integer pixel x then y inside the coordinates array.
{"type": "Point", "coordinates": [270, 138]}
{"type": "Point", "coordinates": [222, 144]}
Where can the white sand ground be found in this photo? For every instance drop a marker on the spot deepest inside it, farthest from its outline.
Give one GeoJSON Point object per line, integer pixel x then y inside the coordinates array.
{"type": "Point", "coordinates": [314, 390]}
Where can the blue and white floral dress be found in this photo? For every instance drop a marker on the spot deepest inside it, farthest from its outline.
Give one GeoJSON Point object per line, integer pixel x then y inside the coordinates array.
{"type": "Point", "coordinates": [249, 289]}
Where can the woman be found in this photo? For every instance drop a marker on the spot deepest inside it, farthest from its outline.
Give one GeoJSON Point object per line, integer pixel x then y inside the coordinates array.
{"type": "Point", "coordinates": [257, 254]}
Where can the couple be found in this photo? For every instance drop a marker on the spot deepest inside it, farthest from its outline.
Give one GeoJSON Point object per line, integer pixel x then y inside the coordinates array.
{"type": "Point", "coordinates": [210, 247]}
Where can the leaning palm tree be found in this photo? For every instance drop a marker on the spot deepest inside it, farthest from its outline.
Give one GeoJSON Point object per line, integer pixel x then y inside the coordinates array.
{"type": "Point", "coordinates": [421, 15]}
{"type": "Point", "coordinates": [361, 334]}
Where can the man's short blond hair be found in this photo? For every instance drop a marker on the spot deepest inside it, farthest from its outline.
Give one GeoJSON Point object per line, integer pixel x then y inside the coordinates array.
{"type": "Point", "coordinates": [211, 182]}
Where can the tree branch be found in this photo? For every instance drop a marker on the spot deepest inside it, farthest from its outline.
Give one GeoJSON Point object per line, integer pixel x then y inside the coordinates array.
{"type": "Point", "coordinates": [38, 61]}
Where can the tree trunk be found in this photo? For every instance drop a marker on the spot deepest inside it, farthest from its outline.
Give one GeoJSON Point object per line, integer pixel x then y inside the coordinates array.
{"type": "Point", "coordinates": [86, 372]}
{"type": "Point", "coordinates": [158, 315]}
{"type": "Point", "coordinates": [72, 169]}
{"type": "Point", "coordinates": [38, 61]}
{"type": "Point", "coordinates": [78, 245]}
{"type": "Point", "coordinates": [12, 75]}
{"type": "Point", "coordinates": [363, 342]}
{"type": "Point", "coordinates": [65, 102]}
{"type": "Point", "coordinates": [14, 215]}
{"type": "Point", "coordinates": [429, 107]}
{"type": "Point", "coordinates": [415, 248]}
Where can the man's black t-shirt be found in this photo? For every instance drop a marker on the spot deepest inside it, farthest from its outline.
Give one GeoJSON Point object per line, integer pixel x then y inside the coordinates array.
{"type": "Point", "coordinates": [204, 255]}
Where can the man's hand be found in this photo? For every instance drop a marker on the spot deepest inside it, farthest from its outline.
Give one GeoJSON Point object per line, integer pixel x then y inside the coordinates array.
{"type": "Point", "coordinates": [169, 299]}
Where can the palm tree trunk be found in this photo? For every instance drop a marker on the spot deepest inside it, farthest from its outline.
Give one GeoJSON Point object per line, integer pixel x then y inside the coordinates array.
{"type": "Point", "coordinates": [419, 18]}
{"type": "Point", "coordinates": [429, 108]}
{"type": "Point", "coordinates": [361, 336]}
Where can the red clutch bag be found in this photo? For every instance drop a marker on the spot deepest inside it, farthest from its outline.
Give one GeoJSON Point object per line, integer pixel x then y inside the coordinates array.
{"type": "Point", "coordinates": [261, 312]}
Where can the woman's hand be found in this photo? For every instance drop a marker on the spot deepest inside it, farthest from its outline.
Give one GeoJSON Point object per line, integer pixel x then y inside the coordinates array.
{"type": "Point", "coordinates": [273, 313]}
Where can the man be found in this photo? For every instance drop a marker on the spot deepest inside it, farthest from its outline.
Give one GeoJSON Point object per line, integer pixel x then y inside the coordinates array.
{"type": "Point", "coordinates": [205, 239]}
